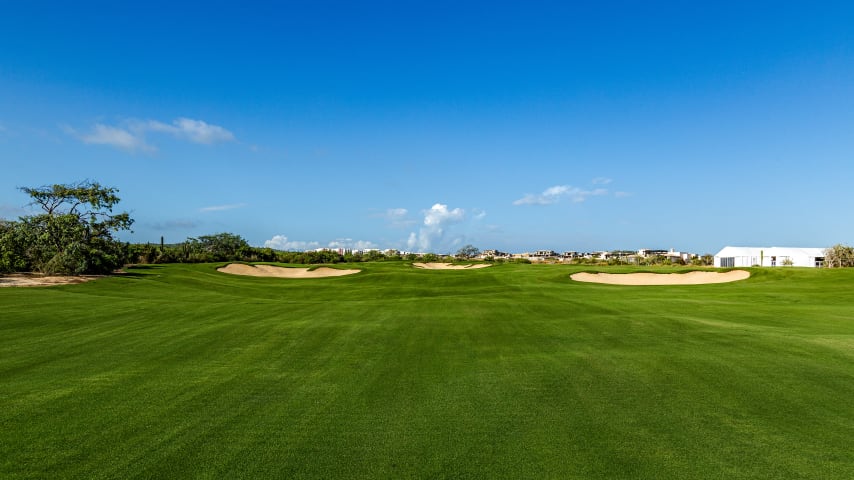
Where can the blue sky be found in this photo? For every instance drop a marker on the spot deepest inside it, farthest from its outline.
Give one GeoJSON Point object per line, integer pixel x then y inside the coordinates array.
{"type": "Point", "coordinates": [431, 125]}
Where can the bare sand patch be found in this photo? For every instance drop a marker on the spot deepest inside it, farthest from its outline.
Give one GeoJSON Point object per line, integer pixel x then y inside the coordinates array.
{"type": "Point", "coordinates": [690, 278]}
{"type": "Point", "coordinates": [36, 280]}
{"type": "Point", "coordinates": [283, 272]}
{"type": "Point", "coordinates": [449, 266]}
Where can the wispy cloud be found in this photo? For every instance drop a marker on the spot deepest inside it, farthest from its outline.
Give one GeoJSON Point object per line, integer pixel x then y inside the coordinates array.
{"type": "Point", "coordinates": [130, 135]}
{"type": "Point", "coordinates": [601, 181]}
{"type": "Point", "coordinates": [396, 213]}
{"type": "Point", "coordinates": [622, 194]}
{"type": "Point", "coordinates": [432, 233]}
{"type": "Point", "coordinates": [219, 208]}
{"type": "Point", "coordinates": [397, 218]}
{"type": "Point", "coordinates": [196, 131]}
{"type": "Point", "coordinates": [175, 225]}
{"type": "Point", "coordinates": [554, 194]}
{"type": "Point", "coordinates": [121, 138]}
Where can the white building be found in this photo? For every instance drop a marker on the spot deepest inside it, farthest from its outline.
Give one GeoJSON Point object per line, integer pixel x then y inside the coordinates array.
{"type": "Point", "coordinates": [769, 257]}
{"type": "Point", "coordinates": [671, 255]}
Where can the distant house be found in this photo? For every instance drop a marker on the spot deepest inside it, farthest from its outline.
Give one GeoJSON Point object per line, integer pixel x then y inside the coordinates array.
{"type": "Point", "coordinates": [671, 255]}
{"type": "Point", "coordinates": [769, 257]}
{"type": "Point", "coordinates": [493, 254]}
{"type": "Point", "coordinates": [649, 252]}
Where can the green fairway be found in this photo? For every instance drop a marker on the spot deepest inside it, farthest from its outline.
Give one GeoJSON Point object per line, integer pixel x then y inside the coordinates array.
{"type": "Point", "coordinates": [512, 371]}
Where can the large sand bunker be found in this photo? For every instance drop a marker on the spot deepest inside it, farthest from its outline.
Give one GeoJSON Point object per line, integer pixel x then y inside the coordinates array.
{"type": "Point", "coordinates": [36, 280]}
{"type": "Point", "coordinates": [449, 266]}
{"type": "Point", "coordinates": [690, 278]}
{"type": "Point", "coordinates": [283, 272]}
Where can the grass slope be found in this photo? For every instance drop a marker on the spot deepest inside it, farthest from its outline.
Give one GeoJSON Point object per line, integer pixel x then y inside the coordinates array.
{"type": "Point", "coordinates": [512, 371]}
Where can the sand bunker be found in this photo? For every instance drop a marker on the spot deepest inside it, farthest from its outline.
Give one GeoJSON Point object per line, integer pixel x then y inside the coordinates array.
{"type": "Point", "coordinates": [449, 266]}
{"type": "Point", "coordinates": [283, 272]}
{"type": "Point", "coordinates": [36, 280]}
{"type": "Point", "coordinates": [690, 278]}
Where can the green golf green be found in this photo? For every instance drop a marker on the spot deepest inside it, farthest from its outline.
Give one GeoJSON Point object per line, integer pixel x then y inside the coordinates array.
{"type": "Point", "coordinates": [513, 371]}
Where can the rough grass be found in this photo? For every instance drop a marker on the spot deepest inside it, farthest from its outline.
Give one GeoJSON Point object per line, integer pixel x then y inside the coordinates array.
{"type": "Point", "coordinates": [513, 371]}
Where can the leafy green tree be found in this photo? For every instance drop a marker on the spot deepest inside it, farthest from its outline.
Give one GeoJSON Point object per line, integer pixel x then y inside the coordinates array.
{"type": "Point", "coordinates": [352, 257]}
{"type": "Point", "coordinates": [429, 258]}
{"type": "Point", "coordinates": [74, 233]}
{"type": "Point", "coordinates": [374, 256]}
{"type": "Point", "coordinates": [12, 246]}
{"type": "Point", "coordinates": [224, 246]}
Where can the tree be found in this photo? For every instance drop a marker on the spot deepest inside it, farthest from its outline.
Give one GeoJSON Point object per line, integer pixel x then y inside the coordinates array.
{"type": "Point", "coordinates": [469, 251]}
{"type": "Point", "coordinates": [839, 256]}
{"type": "Point", "coordinates": [12, 246]}
{"type": "Point", "coordinates": [429, 257]}
{"type": "Point", "coordinates": [223, 246]}
{"type": "Point", "coordinates": [704, 260]}
{"type": "Point", "coordinates": [74, 234]}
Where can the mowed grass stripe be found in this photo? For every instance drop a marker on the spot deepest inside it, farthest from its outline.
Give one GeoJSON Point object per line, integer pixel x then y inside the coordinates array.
{"type": "Point", "coordinates": [512, 371]}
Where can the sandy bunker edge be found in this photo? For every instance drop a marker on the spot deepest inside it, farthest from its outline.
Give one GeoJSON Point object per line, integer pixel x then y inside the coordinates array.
{"type": "Point", "coordinates": [690, 278]}
{"type": "Point", "coordinates": [283, 272]}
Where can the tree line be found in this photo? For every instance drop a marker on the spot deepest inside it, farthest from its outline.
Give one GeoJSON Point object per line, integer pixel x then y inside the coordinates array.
{"type": "Point", "coordinates": [228, 247]}
{"type": "Point", "coordinates": [74, 232]}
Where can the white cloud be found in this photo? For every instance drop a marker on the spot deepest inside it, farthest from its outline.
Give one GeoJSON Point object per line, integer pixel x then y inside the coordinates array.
{"type": "Point", "coordinates": [396, 213]}
{"type": "Point", "coordinates": [554, 194]}
{"type": "Point", "coordinates": [412, 241]}
{"type": "Point", "coordinates": [622, 194]}
{"type": "Point", "coordinates": [281, 242]}
{"type": "Point", "coordinates": [115, 137]}
{"type": "Point", "coordinates": [131, 134]}
{"type": "Point", "coordinates": [397, 218]}
{"type": "Point", "coordinates": [432, 234]}
{"type": "Point", "coordinates": [219, 208]}
{"type": "Point", "coordinates": [439, 215]}
{"type": "Point", "coordinates": [196, 131]}
{"type": "Point", "coordinates": [601, 181]}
